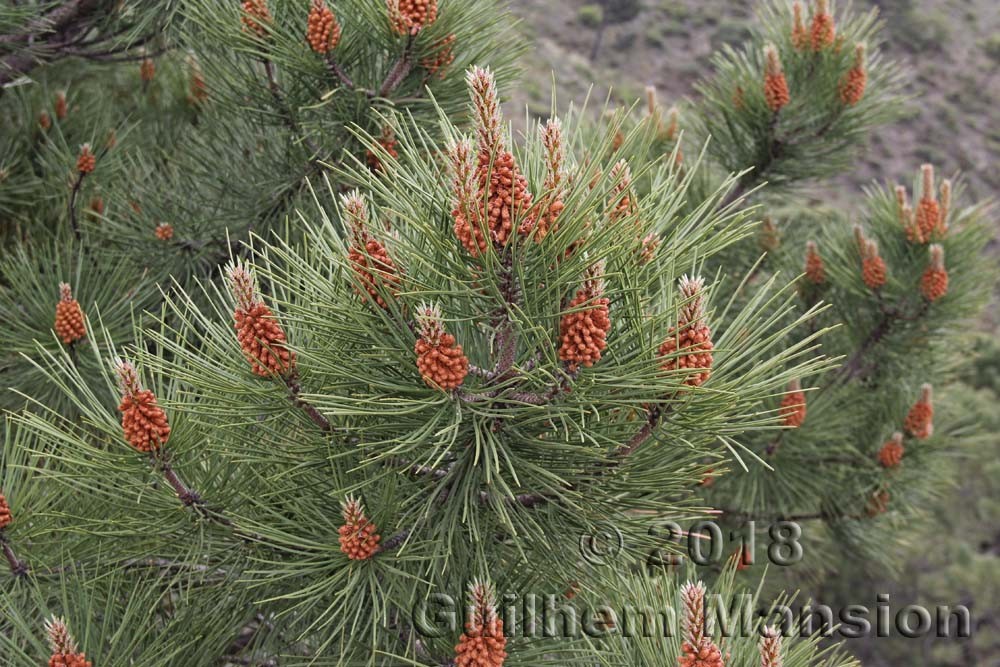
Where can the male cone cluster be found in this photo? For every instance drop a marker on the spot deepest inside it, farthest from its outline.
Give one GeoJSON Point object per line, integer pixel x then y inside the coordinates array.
{"type": "Point", "coordinates": [359, 537]}
{"type": "Point", "coordinates": [815, 270]}
{"type": "Point", "coordinates": [442, 55]}
{"type": "Point", "coordinates": [260, 335]}
{"type": "Point", "coordinates": [368, 257]}
{"type": "Point", "coordinates": [440, 360]}
{"type": "Point", "coordinates": [483, 643]}
{"type": "Point", "coordinates": [873, 271]}
{"type": "Point", "coordinates": [770, 648]}
{"type": "Point", "coordinates": [387, 140]}
{"type": "Point", "coordinates": [410, 16]}
{"type": "Point", "coordinates": [891, 454]}
{"type": "Point", "coordinates": [69, 324]}
{"type": "Point", "coordinates": [5, 516]}
{"type": "Point", "coordinates": [822, 32]}
{"type": "Point", "coordinates": [164, 231]}
{"type": "Point", "coordinates": [61, 106]}
{"type": "Point", "coordinates": [147, 70]}
{"type": "Point", "coordinates": [144, 423]}
{"type": "Point", "coordinates": [697, 649]}
{"type": "Point", "coordinates": [793, 406]}
{"type": "Point", "coordinates": [934, 281]}
{"type": "Point", "coordinates": [63, 646]}
{"type": "Point", "coordinates": [688, 346]}
{"type": "Point", "coordinates": [920, 420]}
{"type": "Point", "coordinates": [775, 84]}
{"type": "Point", "coordinates": [930, 219]}
{"type": "Point", "coordinates": [256, 17]}
{"type": "Point", "coordinates": [86, 162]}
{"type": "Point", "coordinates": [550, 205]}
{"type": "Point", "coordinates": [852, 86]}
{"type": "Point", "coordinates": [878, 503]}
{"type": "Point", "coordinates": [583, 331]}
{"type": "Point", "coordinates": [496, 194]}
{"type": "Point", "coordinates": [322, 28]}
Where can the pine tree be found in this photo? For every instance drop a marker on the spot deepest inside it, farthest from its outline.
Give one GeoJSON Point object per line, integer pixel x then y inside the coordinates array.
{"type": "Point", "coordinates": [792, 107]}
{"type": "Point", "coordinates": [325, 347]}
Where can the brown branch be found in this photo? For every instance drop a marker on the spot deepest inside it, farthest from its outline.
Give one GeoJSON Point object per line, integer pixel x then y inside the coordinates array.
{"type": "Point", "coordinates": [17, 567]}
{"type": "Point", "coordinates": [399, 71]}
{"type": "Point", "coordinates": [335, 69]}
{"type": "Point", "coordinates": [187, 495]}
{"type": "Point", "coordinates": [74, 194]}
{"type": "Point", "coordinates": [295, 389]}
{"type": "Point", "coordinates": [653, 416]}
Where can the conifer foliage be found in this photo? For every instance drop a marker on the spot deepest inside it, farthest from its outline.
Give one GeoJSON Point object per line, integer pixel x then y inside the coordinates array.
{"type": "Point", "coordinates": [308, 342]}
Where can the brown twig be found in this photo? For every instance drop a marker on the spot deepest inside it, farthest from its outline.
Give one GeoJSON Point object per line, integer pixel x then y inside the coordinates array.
{"type": "Point", "coordinates": [295, 389]}
{"type": "Point", "coordinates": [74, 194]}
{"type": "Point", "coordinates": [399, 71]}
{"type": "Point", "coordinates": [17, 567]}
{"type": "Point", "coordinates": [337, 71]}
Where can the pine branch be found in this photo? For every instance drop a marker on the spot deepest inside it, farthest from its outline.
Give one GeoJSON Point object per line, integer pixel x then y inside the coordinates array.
{"type": "Point", "coordinates": [74, 193]}
{"type": "Point", "coordinates": [335, 69]}
{"type": "Point", "coordinates": [286, 111]}
{"type": "Point", "coordinates": [187, 496]}
{"type": "Point", "coordinates": [17, 567]}
{"type": "Point", "coordinates": [399, 71]}
{"type": "Point", "coordinates": [295, 389]}
{"type": "Point", "coordinates": [653, 415]}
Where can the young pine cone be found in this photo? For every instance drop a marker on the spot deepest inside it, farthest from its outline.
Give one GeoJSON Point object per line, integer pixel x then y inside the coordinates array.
{"type": "Point", "coordinates": [69, 324]}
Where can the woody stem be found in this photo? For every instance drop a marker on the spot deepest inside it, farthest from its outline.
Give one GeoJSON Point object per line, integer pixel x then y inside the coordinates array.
{"type": "Point", "coordinates": [17, 567]}
{"type": "Point", "coordinates": [72, 204]}
{"type": "Point", "coordinates": [399, 71]}
{"type": "Point", "coordinates": [286, 111]}
{"type": "Point", "coordinates": [336, 70]}
{"type": "Point", "coordinates": [295, 390]}
{"type": "Point", "coordinates": [645, 433]}
{"type": "Point", "coordinates": [187, 495]}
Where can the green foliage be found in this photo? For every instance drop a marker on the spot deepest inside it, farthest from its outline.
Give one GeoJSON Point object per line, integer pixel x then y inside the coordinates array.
{"type": "Point", "coordinates": [223, 546]}
{"type": "Point", "coordinates": [591, 16]}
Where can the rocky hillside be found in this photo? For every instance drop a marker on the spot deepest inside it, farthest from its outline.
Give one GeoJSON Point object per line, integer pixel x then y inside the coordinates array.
{"type": "Point", "coordinates": [952, 47]}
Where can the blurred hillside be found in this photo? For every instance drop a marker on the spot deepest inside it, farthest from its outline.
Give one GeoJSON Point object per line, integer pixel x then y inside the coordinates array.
{"type": "Point", "coordinates": [952, 48]}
